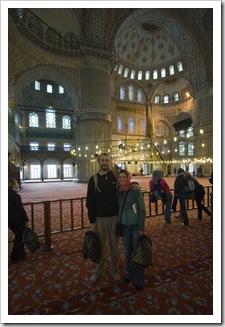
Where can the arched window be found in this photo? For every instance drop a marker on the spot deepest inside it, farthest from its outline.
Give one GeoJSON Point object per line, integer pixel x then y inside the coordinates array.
{"type": "Point", "coordinates": [50, 118]}
{"type": "Point", "coordinates": [132, 125]}
{"type": "Point", "coordinates": [49, 88]}
{"type": "Point", "coordinates": [33, 119]}
{"type": "Point", "coordinates": [37, 85]}
{"type": "Point", "coordinates": [190, 131]}
{"type": "Point", "coordinates": [182, 148]}
{"type": "Point", "coordinates": [120, 124]}
{"type": "Point", "coordinates": [120, 69]}
{"type": "Point", "coordinates": [143, 123]}
{"type": "Point", "coordinates": [61, 89]}
{"type": "Point", "coordinates": [163, 72]}
{"type": "Point", "coordinates": [171, 69]}
{"type": "Point", "coordinates": [140, 75]}
{"type": "Point", "coordinates": [155, 74]}
{"type": "Point", "coordinates": [131, 92]}
{"type": "Point", "coordinates": [175, 96]}
{"type": "Point", "coordinates": [132, 75]}
{"type": "Point", "coordinates": [126, 72]}
{"type": "Point", "coordinates": [140, 95]}
{"type": "Point", "coordinates": [147, 75]}
{"type": "Point", "coordinates": [190, 148]}
{"type": "Point", "coordinates": [66, 122]}
{"type": "Point", "coordinates": [179, 66]}
{"type": "Point", "coordinates": [166, 98]}
{"type": "Point", "coordinates": [157, 99]}
{"type": "Point", "coordinates": [122, 92]}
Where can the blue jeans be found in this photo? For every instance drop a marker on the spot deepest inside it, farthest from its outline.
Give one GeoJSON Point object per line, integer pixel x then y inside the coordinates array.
{"type": "Point", "coordinates": [130, 239]}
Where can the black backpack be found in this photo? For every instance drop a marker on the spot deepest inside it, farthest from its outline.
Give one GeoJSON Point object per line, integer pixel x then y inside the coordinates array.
{"type": "Point", "coordinates": [158, 191]}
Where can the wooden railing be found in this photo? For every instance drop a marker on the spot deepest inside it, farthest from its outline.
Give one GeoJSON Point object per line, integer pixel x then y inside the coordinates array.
{"type": "Point", "coordinates": [64, 215]}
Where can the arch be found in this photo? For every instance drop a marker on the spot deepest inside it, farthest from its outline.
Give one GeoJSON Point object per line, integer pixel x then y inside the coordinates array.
{"type": "Point", "coordinates": [51, 157]}
{"type": "Point", "coordinates": [45, 72]}
{"type": "Point", "coordinates": [30, 157]}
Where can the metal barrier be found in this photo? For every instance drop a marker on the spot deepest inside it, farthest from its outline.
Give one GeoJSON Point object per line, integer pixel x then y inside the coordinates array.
{"type": "Point", "coordinates": [64, 215]}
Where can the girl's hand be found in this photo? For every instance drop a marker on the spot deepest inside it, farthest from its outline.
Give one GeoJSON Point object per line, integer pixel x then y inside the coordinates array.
{"type": "Point", "coordinates": [141, 233]}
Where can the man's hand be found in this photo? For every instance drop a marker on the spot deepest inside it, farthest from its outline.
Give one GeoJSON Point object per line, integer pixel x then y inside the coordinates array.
{"type": "Point", "coordinates": [135, 186]}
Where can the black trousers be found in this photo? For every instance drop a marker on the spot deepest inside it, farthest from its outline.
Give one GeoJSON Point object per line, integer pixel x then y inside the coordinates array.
{"type": "Point", "coordinates": [199, 198]}
{"type": "Point", "coordinates": [18, 252]}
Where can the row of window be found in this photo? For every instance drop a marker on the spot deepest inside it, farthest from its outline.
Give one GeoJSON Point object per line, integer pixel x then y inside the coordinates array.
{"type": "Point", "coordinates": [131, 124]}
{"type": "Point", "coordinates": [182, 148]}
{"type": "Point", "coordinates": [127, 73]}
{"type": "Point", "coordinates": [48, 88]}
{"type": "Point", "coordinates": [50, 120]}
{"type": "Point", "coordinates": [34, 146]}
{"type": "Point", "coordinates": [130, 93]}
{"type": "Point", "coordinates": [52, 171]}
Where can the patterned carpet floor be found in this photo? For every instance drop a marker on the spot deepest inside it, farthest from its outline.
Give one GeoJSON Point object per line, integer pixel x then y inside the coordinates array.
{"type": "Point", "coordinates": [180, 281]}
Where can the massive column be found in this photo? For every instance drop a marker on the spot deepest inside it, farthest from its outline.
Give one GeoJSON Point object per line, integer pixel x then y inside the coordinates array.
{"type": "Point", "coordinates": [94, 118]}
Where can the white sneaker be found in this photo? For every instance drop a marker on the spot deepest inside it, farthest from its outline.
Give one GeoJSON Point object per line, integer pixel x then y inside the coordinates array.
{"type": "Point", "coordinates": [94, 278]}
{"type": "Point", "coordinates": [117, 277]}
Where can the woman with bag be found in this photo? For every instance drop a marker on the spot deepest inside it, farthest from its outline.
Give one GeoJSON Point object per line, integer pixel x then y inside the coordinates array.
{"type": "Point", "coordinates": [132, 216]}
{"type": "Point", "coordinates": [17, 220]}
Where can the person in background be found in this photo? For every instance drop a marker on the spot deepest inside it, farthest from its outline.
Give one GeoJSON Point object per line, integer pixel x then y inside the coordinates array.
{"type": "Point", "coordinates": [157, 176]}
{"type": "Point", "coordinates": [211, 216]}
{"type": "Point", "coordinates": [132, 216]}
{"type": "Point", "coordinates": [198, 197]}
{"type": "Point", "coordinates": [17, 220]}
{"type": "Point", "coordinates": [179, 192]}
{"type": "Point", "coordinates": [102, 209]}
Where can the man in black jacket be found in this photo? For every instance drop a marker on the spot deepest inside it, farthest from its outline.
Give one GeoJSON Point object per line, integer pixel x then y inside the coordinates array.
{"type": "Point", "coordinates": [103, 214]}
{"type": "Point", "coordinates": [180, 193]}
{"type": "Point", "coordinates": [17, 219]}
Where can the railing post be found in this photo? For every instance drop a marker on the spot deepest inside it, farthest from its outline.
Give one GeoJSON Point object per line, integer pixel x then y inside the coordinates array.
{"type": "Point", "coordinates": [47, 226]}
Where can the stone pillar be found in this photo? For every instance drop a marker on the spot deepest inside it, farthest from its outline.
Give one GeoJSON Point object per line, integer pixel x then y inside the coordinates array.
{"type": "Point", "coordinates": [94, 118]}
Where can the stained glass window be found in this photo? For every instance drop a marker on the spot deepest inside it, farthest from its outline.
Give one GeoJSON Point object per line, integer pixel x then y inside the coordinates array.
{"type": "Point", "coordinates": [37, 85]}
{"type": "Point", "coordinates": [140, 95]}
{"type": "Point", "coordinates": [131, 92]}
{"type": "Point", "coordinates": [157, 98]}
{"type": "Point", "coordinates": [33, 119]}
{"type": "Point", "coordinates": [163, 72]}
{"type": "Point", "coordinates": [147, 75]}
{"type": "Point", "coordinates": [131, 124]}
{"type": "Point", "coordinates": [120, 124]}
{"type": "Point", "coordinates": [122, 92]}
{"type": "Point", "coordinates": [171, 69]}
{"type": "Point", "coordinates": [49, 88]}
{"type": "Point", "coordinates": [166, 98]}
{"type": "Point", "coordinates": [61, 89]}
{"type": "Point", "coordinates": [66, 122]}
{"type": "Point", "coordinates": [175, 96]}
{"type": "Point", "coordinates": [190, 148]}
{"type": "Point", "coordinates": [50, 118]}
{"type": "Point", "coordinates": [155, 74]}
{"type": "Point", "coordinates": [182, 148]}
{"type": "Point", "coordinates": [179, 66]}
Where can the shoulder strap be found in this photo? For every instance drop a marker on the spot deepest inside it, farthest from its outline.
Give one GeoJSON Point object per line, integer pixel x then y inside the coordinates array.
{"type": "Point", "coordinates": [95, 177]}
{"type": "Point", "coordinates": [123, 205]}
